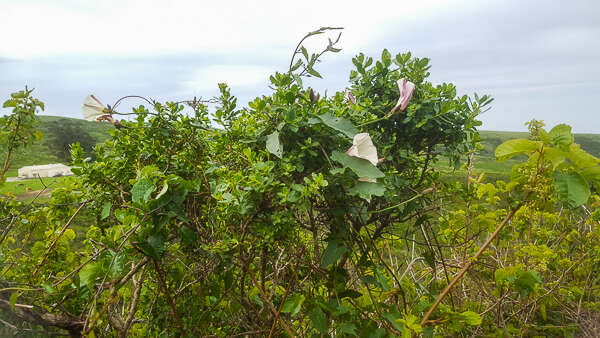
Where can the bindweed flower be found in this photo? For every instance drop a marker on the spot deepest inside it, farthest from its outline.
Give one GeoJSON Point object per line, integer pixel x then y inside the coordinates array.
{"type": "Point", "coordinates": [363, 147]}
{"type": "Point", "coordinates": [406, 91]}
{"type": "Point", "coordinates": [92, 108]}
{"type": "Point", "coordinates": [351, 98]}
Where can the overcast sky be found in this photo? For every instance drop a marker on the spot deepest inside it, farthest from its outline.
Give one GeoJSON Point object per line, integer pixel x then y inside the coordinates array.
{"type": "Point", "coordinates": [538, 59]}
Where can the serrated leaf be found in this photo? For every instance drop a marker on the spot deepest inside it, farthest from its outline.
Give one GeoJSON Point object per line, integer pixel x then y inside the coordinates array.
{"type": "Point", "coordinates": [340, 124]}
{"type": "Point", "coordinates": [515, 147]}
{"type": "Point", "coordinates": [571, 188]}
{"type": "Point", "coordinates": [365, 190]}
{"type": "Point", "coordinates": [142, 190]}
{"type": "Point", "coordinates": [273, 144]}
{"type": "Point", "coordinates": [561, 136]}
{"type": "Point", "coordinates": [360, 167]}
{"type": "Point", "coordinates": [105, 210]}
{"type": "Point", "coordinates": [334, 251]}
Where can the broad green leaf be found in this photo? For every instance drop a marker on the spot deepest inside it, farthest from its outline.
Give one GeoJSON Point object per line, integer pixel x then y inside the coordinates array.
{"type": "Point", "coordinates": [394, 319]}
{"type": "Point", "coordinates": [383, 284]}
{"type": "Point", "coordinates": [89, 273]}
{"type": "Point", "coordinates": [319, 322]}
{"type": "Point", "coordinates": [362, 168]}
{"type": "Point", "coordinates": [593, 175]}
{"type": "Point", "coordinates": [188, 236]}
{"type": "Point", "coordinates": [273, 144]}
{"type": "Point", "coordinates": [571, 188]}
{"type": "Point", "coordinates": [105, 210]}
{"type": "Point", "coordinates": [340, 124]}
{"type": "Point", "coordinates": [471, 318]}
{"type": "Point", "coordinates": [154, 246]}
{"type": "Point", "coordinates": [555, 156]}
{"type": "Point", "coordinates": [580, 157]}
{"type": "Point", "coordinates": [561, 136]}
{"type": "Point", "coordinates": [367, 189]}
{"type": "Point", "coordinates": [334, 251]}
{"type": "Point", "coordinates": [293, 304]}
{"type": "Point", "coordinates": [348, 328]}
{"type": "Point", "coordinates": [515, 147]}
{"type": "Point", "coordinates": [142, 190]}
{"type": "Point", "coordinates": [527, 282]}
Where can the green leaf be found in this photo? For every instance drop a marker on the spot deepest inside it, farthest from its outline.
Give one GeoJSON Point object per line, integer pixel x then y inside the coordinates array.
{"type": "Point", "coordinates": [555, 156]}
{"type": "Point", "coordinates": [580, 157]}
{"type": "Point", "coordinates": [593, 175]}
{"type": "Point", "coordinates": [319, 322]}
{"type": "Point", "coordinates": [188, 235]}
{"type": "Point", "coordinates": [572, 189]}
{"type": "Point", "coordinates": [334, 251]}
{"type": "Point", "coordinates": [362, 168]}
{"type": "Point", "coordinates": [394, 319]}
{"type": "Point", "coordinates": [13, 300]}
{"type": "Point", "coordinates": [298, 79]}
{"type": "Point", "coordinates": [154, 246]}
{"type": "Point", "coordinates": [386, 57]}
{"type": "Point", "coordinates": [273, 144]}
{"type": "Point", "coordinates": [314, 73]}
{"type": "Point", "coordinates": [10, 103]}
{"type": "Point", "coordinates": [526, 283]}
{"type": "Point", "coordinates": [340, 124]}
{"type": "Point", "coordinates": [366, 189]}
{"type": "Point", "coordinates": [142, 190]}
{"type": "Point", "coordinates": [348, 328]}
{"type": "Point", "coordinates": [561, 136]}
{"type": "Point", "coordinates": [516, 147]}
{"type": "Point", "coordinates": [49, 288]}
{"type": "Point", "coordinates": [296, 65]}
{"type": "Point", "coordinates": [89, 273]}
{"type": "Point", "coordinates": [293, 304]}
{"type": "Point", "coordinates": [105, 210]}
{"type": "Point", "coordinates": [471, 318]}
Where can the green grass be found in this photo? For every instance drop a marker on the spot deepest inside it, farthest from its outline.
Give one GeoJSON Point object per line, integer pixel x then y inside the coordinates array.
{"type": "Point", "coordinates": [39, 153]}
{"type": "Point", "coordinates": [25, 186]}
{"type": "Point", "coordinates": [485, 160]}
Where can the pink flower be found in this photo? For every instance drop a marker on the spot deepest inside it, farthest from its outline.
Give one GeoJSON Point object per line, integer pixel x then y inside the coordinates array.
{"type": "Point", "coordinates": [406, 91]}
{"type": "Point", "coordinates": [351, 98]}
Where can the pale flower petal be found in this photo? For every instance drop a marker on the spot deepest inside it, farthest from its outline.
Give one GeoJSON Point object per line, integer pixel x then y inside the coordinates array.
{"type": "Point", "coordinates": [92, 108]}
{"type": "Point", "coordinates": [363, 147]}
{"type": "Point", "coordinates": [406, 91]}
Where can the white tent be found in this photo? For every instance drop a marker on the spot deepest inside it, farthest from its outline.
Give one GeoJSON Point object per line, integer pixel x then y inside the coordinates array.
{"type": "Point", "coordinates": [46, 170]}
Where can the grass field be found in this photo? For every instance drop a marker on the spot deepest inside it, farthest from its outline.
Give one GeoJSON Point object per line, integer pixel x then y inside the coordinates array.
{"type": "Point", "coordinates": [40, 153]}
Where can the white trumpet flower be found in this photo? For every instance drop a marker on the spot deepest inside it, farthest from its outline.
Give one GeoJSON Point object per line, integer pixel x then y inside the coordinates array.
{"type": "Point", "coordinates": [363, 147]}
{"type": "Point", "coordinates": [92, 108]}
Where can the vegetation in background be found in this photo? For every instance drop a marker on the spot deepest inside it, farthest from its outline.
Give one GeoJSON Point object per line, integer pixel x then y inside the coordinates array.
{"type": "Point", "coordinates": [255, 221]}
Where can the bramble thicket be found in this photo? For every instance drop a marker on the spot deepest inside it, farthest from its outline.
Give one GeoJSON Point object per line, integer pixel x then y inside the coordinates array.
{"type": "Point", "coordinates": [305, 215]}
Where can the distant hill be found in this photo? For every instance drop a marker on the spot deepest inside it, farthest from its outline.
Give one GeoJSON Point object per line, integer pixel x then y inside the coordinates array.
{"type": "Point", "coordinates": [58, 132]}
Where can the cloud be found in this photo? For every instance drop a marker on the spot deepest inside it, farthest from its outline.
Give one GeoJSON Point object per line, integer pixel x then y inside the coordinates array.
{"type": "Point", "coordinates": [537, 58]}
